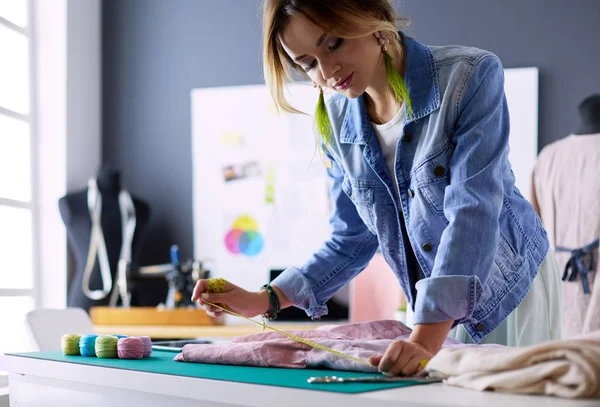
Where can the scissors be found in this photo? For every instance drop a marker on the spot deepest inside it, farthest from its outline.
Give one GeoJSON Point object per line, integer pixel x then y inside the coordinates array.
{"type": "Point", "coordinates": [373, 379]}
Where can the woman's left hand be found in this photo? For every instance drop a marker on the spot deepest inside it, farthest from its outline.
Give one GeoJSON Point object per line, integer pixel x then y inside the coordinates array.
{"type": "Point", "coordinates": [402, 358]}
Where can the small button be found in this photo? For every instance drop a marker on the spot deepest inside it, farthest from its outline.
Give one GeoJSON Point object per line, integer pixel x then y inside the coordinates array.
{"type": "Point", "coordinates": [407, 138]}
{"type": "Point", "coordinates": [439, 171]}
{"type": "Point", "coordinates": [480, 327]}
{"type": "Point", "coordinates": [427, 247]}
{"type": "Point", "coordinates": [411, 193]}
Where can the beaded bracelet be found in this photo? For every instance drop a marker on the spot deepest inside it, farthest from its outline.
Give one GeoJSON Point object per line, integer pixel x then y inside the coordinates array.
{"type": "Point", "coordinates": [274, 306]}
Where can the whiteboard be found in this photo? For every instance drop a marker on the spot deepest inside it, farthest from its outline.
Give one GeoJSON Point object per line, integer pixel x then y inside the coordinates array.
{"type": "Point", "coordinates": [521, 89]}
{"type": "Point", "coordinates": [261, 196]}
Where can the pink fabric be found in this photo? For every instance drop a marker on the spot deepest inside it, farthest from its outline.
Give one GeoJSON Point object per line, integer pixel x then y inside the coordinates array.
{"type": "Point", "coordinates": [272, 349]}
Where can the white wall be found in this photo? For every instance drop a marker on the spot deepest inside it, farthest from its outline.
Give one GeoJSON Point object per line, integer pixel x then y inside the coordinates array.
{"type": "Point", "coordinates": [67, 77]}
{"type": "Point", "coordinates": [84, 94]}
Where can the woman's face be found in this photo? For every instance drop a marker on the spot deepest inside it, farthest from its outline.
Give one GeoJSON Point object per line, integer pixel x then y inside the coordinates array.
{"type": "Point", "coordinates": [344, 65]}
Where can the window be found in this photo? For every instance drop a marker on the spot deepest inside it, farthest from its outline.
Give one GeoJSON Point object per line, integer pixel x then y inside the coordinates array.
{"type": "Point", "coordinates": [17, 192]}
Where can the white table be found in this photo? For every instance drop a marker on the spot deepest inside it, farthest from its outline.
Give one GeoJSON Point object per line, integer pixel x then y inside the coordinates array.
{"type": "Point", "coordinates": [36, 382]}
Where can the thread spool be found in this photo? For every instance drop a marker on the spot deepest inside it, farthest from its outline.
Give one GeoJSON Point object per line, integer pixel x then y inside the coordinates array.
{"type": "Point", "coordinates": [118, 336]}
{"type": "Point", "coordinates": [87, 345]}
{"type": "Point", "coordinates": [147, 345]}
{"type": "Point", "coordinates": [70, 344]}
{"type": "Point", "coordinates": [216, 285]}
{"type": "Point", "coordinates": [130, 348]}
{"type": "Point", "coordinates": [106, 346]}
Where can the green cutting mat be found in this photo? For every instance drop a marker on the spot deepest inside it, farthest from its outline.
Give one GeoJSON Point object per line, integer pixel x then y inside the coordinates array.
{"type": "Point", "coordinates": [162, 362]}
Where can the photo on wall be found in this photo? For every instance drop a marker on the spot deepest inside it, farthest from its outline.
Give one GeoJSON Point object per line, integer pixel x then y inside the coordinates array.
{"type": "Point", "coordinates": [234, 172]}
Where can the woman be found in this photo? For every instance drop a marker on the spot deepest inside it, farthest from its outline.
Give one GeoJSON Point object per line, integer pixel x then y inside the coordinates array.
{"type": "Point", "coordinates": [417, 142]}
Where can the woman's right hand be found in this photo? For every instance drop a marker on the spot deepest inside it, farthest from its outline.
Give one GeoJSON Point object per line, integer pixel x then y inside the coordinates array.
{"type": "Point", "coordinates": [233, 298]}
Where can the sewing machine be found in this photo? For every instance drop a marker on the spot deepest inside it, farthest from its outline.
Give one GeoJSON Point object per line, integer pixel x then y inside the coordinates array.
{"type": "Point", "coordinates": [181, 277]}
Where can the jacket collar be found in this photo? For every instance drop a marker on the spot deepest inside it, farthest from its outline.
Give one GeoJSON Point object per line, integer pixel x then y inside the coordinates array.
{"type": "Point", "coordinates": [423, 89]}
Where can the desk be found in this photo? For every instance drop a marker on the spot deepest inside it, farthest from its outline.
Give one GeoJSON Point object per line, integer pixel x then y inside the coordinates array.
{"type": "Point", "coordinates": [189, 332]}
{"type": "Point", "coordinates": [36, 382]}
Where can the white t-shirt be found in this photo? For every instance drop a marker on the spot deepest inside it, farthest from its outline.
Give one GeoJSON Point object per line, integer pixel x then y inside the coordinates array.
{"type": "Point", "coordinates": [388, 135]}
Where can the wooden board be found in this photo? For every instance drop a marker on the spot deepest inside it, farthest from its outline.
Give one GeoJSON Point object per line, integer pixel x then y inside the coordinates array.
{"type": "Point", "coordinates": [151, 316]}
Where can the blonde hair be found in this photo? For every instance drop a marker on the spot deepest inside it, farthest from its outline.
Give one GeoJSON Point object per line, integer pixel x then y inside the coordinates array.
{"type": "Point", "coordinates": [344, 19]}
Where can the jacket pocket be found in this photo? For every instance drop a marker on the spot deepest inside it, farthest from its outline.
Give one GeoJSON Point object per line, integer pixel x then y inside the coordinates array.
{"type": "Point", "coordinates": [431, 177]}
{"type": "Point", "coordinates": [362, 198]}
{"type": "Point", "coordinates": [507, 258]}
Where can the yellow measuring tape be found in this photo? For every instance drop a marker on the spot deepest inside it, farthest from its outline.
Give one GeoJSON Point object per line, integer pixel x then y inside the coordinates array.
{"type": "Point", "coordinates": [217, 285]}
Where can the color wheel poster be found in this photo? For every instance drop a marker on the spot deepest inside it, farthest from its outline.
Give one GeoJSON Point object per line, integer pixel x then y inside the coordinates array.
{"type": "Point", "coordinates": [244, 237]}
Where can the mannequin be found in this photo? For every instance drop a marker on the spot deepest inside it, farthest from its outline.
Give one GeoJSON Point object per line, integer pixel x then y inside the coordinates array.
{"type": "Point", "coordinates": [565, 195]}
{"type": "Point", "coordinates": [589, 113]}
{"type": "Point", "coordinates": [76, 217]}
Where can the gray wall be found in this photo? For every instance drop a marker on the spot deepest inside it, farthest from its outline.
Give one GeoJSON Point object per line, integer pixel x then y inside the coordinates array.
{"type": "Point", "coordinates": [155, 51]}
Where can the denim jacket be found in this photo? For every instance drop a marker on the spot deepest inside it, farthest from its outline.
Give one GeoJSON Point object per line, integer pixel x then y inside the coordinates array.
{"type": "Point", "coordinates": [477, 240]}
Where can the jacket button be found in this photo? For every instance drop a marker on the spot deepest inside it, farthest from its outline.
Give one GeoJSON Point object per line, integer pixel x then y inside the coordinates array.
{"type": "Point", "coordinates": [407, 138]}
{"type": "Point", "coordinates": [411, 193]}
{"type": "Point", "coordinates": [439, 171]}
{"type": "Point", "coordinates": [480, 327]}
{"type": "Point", "coordinates": [427, 247]}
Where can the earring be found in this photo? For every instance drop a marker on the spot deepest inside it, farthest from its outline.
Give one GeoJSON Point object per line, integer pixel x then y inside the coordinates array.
{"type": "Point", "coordinates": [314, 84]}
{"type": "Point", "coordinates": [384, 39]}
